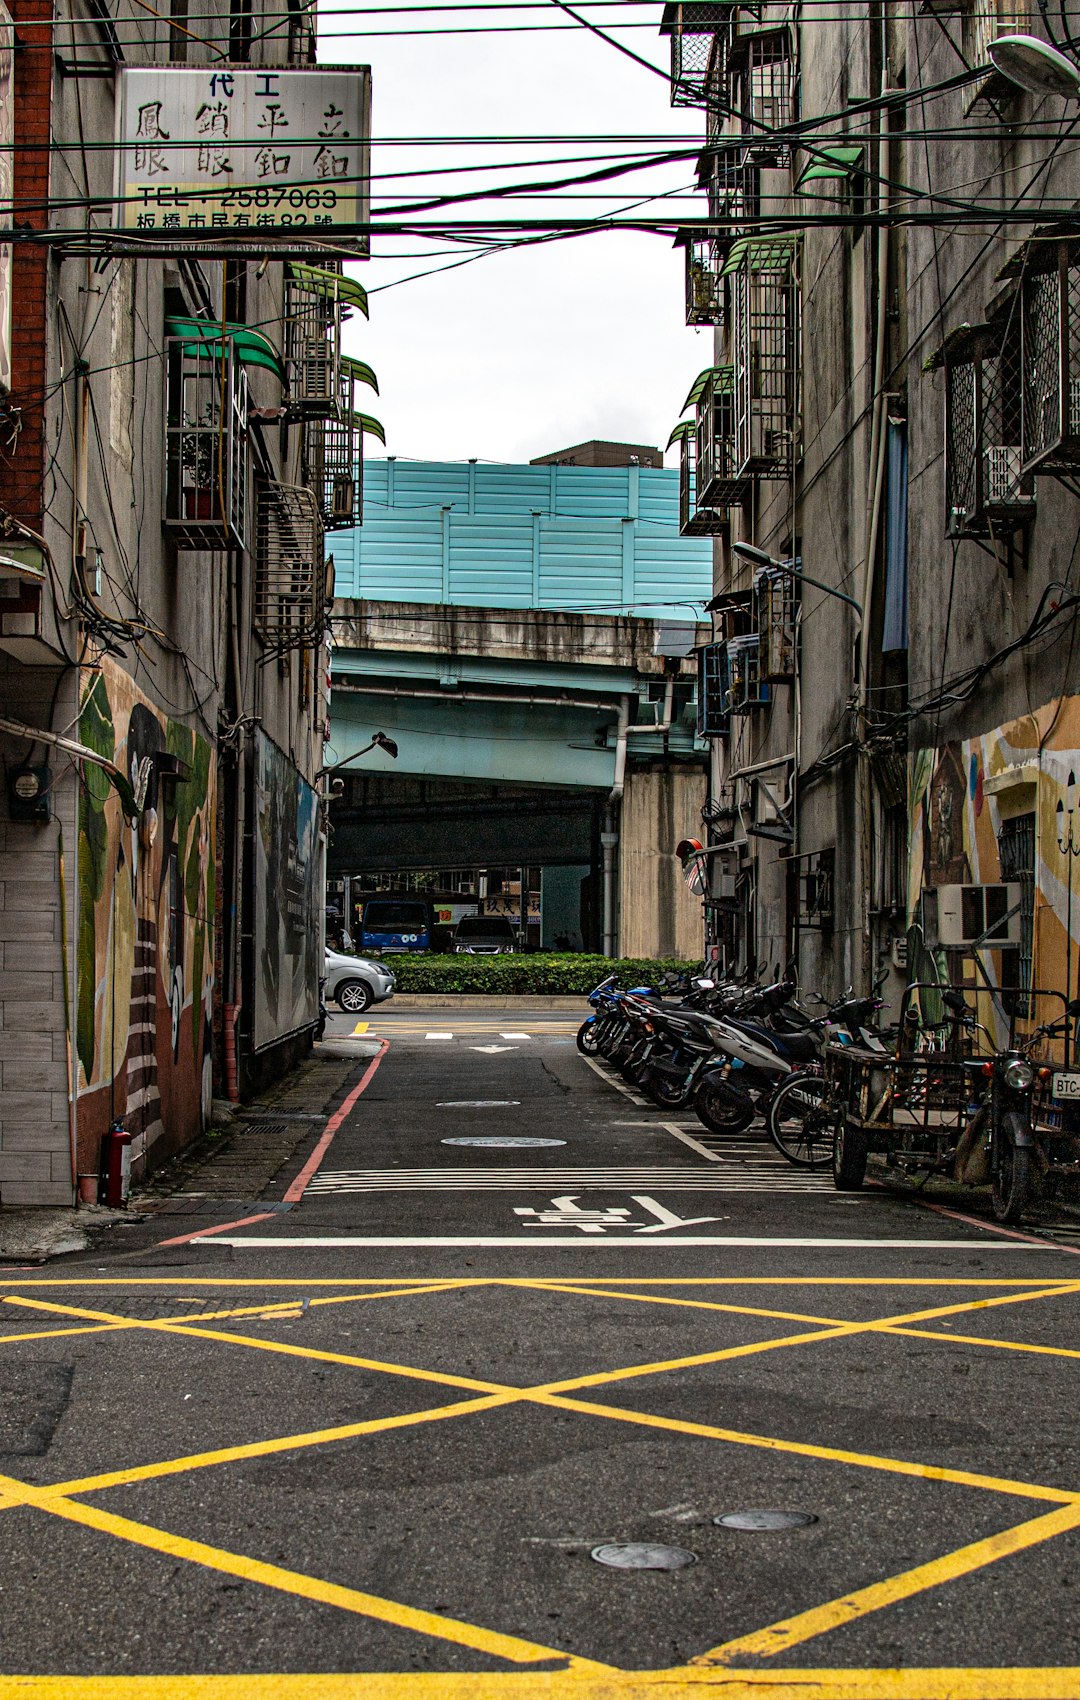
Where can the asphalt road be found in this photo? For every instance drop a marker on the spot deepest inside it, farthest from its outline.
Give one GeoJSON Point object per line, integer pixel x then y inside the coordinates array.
{"type": "Point", "coordinates": [366, 1441]}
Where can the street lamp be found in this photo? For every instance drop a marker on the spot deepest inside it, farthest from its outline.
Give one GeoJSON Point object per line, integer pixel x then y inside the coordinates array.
{"type": "Point", "coordinates": [750, 552]}
{"type": "Point", "coordinates": [1035, 66]}
{"type": "Point", "coordinates": [1069, 847]}
{"type": "Point", "coordinates": [379, 741]}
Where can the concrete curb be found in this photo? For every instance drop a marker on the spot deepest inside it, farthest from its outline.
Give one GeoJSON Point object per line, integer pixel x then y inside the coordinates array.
{"type": "Point", "coordinates": [479, 1001]}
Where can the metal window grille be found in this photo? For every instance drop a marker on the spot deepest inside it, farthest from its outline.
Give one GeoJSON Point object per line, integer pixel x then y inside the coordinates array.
{"type": "Point", "coordinates": [765, 95]}
{"type": "Point", "coordinates": [746, 690]}
{"type": "Point", "coordinates": [695, 521]}
{"type": "Point", "coordinates": [289, 568]}
{"type": "Point", "coordinates": [775, 593]}
{"type": "Point", "coordinates": [313, 346]}
{"type": "Point", "coordinates": [734, 191]}
{"type": "Point", "coordinates": [817, 881]}
{"type": "Point", "coordinates": [334, 460]}
{"type": "Point", "coordinates": [985, 485]}
{"type": "Point", "coordinates": [718, 482]}
{"type": "Point", "coordinates": [991, 18]}
{"type": "Point", "coordinates": [693, 28]}
{"type": "Point", "coordinates": [1051, 360]}
{"type": "Point", "coordinates": [704, 287]}
{"type": "Point", "coordinates": [206, 448]}
{"type": "Point", "coordinates": [714, 719]}
{"type": "Point", "coordinates": [1016, 856]}
{"type": "Point", "coordinates": [765, 340]}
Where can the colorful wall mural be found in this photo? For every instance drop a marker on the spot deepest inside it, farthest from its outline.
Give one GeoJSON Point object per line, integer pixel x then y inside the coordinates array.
{"type": "Point", "coordinates": [145, 947]}
{"type": "Point", "coordinates": [977, 804]}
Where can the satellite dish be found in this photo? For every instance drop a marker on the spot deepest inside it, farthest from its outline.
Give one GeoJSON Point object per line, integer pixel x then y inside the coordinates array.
{"type": "Point", "coordinates": [1034, 65]}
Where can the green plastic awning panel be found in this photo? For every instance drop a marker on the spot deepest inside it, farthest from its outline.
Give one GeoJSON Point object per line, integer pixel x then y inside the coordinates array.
{"type": "Point", "coordinates": [760, 254]}
{"type": "Point", "coordinates": [833, 165]}
{"type": "Point", "coordinates": [252, 348]}
{"type": "Point", "coordinates": [332, 285]}
{"type": "Point", "coordinates": [697, 389]}
{"type": "Point", "coordinates": [365, 423]}
{"type": "Point", "coordinates": [359, 371]}
{"type": "Point", "coordinates": [681, 432]}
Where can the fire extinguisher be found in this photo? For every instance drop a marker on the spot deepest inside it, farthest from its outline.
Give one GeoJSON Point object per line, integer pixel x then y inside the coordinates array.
{"type": "Point", "coordinates": [116, 1166]}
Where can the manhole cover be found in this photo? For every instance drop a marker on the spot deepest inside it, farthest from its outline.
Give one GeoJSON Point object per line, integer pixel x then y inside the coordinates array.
{"type": "Point", "coordinates": [765, 1520]}
{"type": "Point", "coordinates": [494, 1139]}
{"type": "Point", "coordinates": [642, 1555]}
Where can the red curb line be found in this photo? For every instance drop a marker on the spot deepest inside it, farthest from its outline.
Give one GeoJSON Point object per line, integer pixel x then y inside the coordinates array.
{"type": "Point", "coordinates": [996, 1228]}
{"type": "Point", "coordinates": [310, 1169]}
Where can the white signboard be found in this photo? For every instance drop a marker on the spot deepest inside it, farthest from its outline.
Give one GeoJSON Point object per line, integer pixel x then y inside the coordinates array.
{"type": "Point", "coordinates": [225, 149]}
{"type": "Point", "coordinates": [7, 182]}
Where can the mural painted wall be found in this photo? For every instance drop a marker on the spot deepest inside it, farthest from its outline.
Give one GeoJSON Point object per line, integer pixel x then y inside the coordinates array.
{"type": "Point", "coordinates": [145, 946]}
{"type": "Point", "coordinates": [972, 802]}
{"type": "Point", "coordinates": [288, 901]}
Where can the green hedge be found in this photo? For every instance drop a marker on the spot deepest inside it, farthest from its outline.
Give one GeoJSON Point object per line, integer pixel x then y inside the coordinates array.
{"type": "Point", "coordinates": [544, 972]}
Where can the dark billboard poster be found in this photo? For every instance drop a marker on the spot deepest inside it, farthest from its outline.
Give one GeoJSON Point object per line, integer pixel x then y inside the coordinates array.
{"type": "Point", "coordinates": [287, 904]}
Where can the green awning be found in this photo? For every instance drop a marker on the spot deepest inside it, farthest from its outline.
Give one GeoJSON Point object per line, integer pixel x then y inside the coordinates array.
{"type": "Point", "coordinates": [364, 422]}
{"type": "Point", "coordinates": [832, 165]}
{"type": "Point", "coordinates": [697, 389]}
{"type": "Point", "coordinates": [681, 432]}
{"type": "Point", "coordinates": [760, 254]}
{"type": "Point", "coordinates": [332, 284]}
{"type": "Point", "coordinates": [252, 348]}
{"type": "Point", "coordinates": [359, 371]}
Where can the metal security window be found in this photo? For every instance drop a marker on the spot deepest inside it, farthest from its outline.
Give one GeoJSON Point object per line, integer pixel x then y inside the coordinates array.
{"type": "Point", "coordinates": [714, 718]}
{"type": "Point", "coordinates": [692, 27]}
{"type": "Point", "coordinates": [817, 881]}
{"type": "Point", "coordinates": [704, 285]}
{"type": "Point", "coordinates": [746, 691]}
{"type": "Point", "coordinates": [290, 579]}
{"type": "Point", "coordinates": [694, 521]}
{"type": "Point", "coordinates": [1050, 296]}
{"type": "Point", "coordinates": [775, 597]}
{"type": "Point", "coordinates": [206, 449]}
{"type": "Point", "coordinates": [718, 482]}
{"type": "Point", "coordinates": [763, 92]}
{"type": "Point", "coordinates": [765, 345]}
{"type": "Point", "coordinates": [985, 487]}
{"type": "Point", "coordinates": [1016, 854]}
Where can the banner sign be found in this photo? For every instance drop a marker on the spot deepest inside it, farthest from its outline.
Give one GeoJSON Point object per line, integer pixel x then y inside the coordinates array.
{"type": "Point", "coordinates": [239, 151]}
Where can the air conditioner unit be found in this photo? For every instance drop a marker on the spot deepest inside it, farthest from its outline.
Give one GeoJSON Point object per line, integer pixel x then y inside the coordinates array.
{"type": "Point", "coordinates": [986, 915]}
{"type": "Point", "coordinates": [1003, 481]}
{"type": "Point", "coordinates": [342, 497]}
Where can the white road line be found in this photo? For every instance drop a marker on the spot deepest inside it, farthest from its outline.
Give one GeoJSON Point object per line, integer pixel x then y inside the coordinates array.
{"type": "Point", "coordinates": [634, 1097]}
{"type": "Point", "coordinates": [695, 1145]}
{"type": "Point", "coordinates": [515, 1035]}
{"type": "Point", "coordinates": [620, 1242]}
{"type": "Point", "coordinates": [438, 1035]}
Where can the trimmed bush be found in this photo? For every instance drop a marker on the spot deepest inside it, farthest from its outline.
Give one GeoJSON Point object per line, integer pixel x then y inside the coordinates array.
{"type": "Point", "coordinates": [545, 972]}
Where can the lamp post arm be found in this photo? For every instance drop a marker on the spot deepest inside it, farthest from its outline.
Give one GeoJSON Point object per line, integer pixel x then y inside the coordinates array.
{"type": "Point", "coordinates": [334, 766]}
{"type": "Point", "coordinates": [841, 595]}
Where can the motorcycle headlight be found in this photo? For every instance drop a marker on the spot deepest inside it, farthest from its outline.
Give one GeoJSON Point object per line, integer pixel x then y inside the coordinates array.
{"type": "Point", "coordinates": [1018, 1074]}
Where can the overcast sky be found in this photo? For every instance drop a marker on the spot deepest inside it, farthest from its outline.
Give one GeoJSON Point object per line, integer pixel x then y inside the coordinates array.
{"type": "Point", "coordinates": [523, 352]}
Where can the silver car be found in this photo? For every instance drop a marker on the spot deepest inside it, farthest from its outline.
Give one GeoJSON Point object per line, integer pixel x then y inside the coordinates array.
{"type": "Point", "coordinates": [355, 982]}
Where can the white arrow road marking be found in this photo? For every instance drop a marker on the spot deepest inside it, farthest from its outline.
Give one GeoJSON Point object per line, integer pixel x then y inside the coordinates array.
{"type": "Point", "coordinates": [489, 1050]}
{"type": "Point", "coordinates": [667, 1218]}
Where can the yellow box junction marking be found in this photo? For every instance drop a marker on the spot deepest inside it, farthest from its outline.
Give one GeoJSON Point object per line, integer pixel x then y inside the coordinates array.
{"type": "Point", "coordinates": [588, 1677]}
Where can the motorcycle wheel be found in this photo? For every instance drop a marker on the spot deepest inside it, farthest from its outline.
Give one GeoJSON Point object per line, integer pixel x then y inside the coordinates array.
{"type": "Point", "coordinates": [1010, 1189]}
{"type": "Point", "coordinates": [797, 1123]}
{"type": "Point", "coordinates": [632, 1068]}
{"type": "Point", "coordinates": [722, 1109]}
{"type": "Point", "coordinates": [850, 1150]}
{"type": "Point", "coordinates": [588, 1039]}
{"type": "Point", "coordinates": [668, 1094]}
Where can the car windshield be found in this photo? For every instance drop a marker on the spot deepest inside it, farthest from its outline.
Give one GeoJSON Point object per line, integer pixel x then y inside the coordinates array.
{"type": "Point", "coordinates": [485, 926]}
{"type": "Point", "coordinates": [388, 917]}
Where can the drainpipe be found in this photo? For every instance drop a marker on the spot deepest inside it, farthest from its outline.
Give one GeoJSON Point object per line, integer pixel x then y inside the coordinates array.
{"type": "Point", "coordinates": [609, 838]}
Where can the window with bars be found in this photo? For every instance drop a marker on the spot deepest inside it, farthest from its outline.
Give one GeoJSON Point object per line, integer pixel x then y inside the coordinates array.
{"type": "Point", "coordinates": [692, 27]}
{"type": "Point", "coordinates": [694, 520]}
{"type": "Point", "coordinates": [718, 482]}
{"type": "Point", "coordinates": [764, 93]}
{"type": "Point", "coordinates": [765, 346]}
{"type": "Point", "coordinates": [1050, 324]}
{"type": "Point", "coordinates": [1016, 854]}
{"type": "Point", "coordinates": [746, 689]}
{"type": "Point", "coordinates": [775, 597]}
{"type": "Point", "coordinates": [290, 574]}
{"type": "Point", "coordinates": [206, 446]}
{"type": "Point", "coordinates": [985, 485]}
{"type": "Point", "coordinates": [714, 717]}
{"type": "Point", "coordinates": [704, 284]}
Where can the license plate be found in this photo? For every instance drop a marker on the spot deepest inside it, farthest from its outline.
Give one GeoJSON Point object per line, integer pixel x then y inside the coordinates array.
{"type": "Point", "coordinates": [1066, 1087]}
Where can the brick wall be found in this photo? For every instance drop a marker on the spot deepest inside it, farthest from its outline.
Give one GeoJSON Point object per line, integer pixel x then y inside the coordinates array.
{"type": "Point", "coordinates": [21, 472]}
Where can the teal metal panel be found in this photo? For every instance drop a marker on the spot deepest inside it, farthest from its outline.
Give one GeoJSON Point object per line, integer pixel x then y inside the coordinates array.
{"type": "Point", "coordinates": [575, 679]}
{"type": "Point", "coordinates": [522, 744]}
{"type": "Point", "coordinates": [497, 556]}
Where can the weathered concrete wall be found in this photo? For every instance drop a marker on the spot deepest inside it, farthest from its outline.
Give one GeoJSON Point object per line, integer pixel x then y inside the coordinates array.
{"type": "Point", "coordinates": [657, 914]}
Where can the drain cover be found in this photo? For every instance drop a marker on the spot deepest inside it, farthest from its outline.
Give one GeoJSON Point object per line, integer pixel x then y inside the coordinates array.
{"type": "Point", "coordinates": [765, 1520]}
{"type": "Point", "coordinates": [494, 1139]}
{"type": "Point", "coordinates": [642, 1555]}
